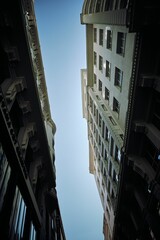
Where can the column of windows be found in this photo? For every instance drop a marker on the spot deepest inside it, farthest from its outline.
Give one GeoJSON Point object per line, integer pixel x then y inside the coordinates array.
{"type": "Point", "coordinates": [101, 150]}
{"type": "Point", "coordinates": [118, 76]}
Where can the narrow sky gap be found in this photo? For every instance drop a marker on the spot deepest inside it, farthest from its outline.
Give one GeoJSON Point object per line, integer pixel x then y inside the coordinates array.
{"type": "Point", "coordinates": [62, 40]}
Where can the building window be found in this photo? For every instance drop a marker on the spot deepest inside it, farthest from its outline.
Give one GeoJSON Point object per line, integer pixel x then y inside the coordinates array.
{"type": "Point", "coordinates": [118, 77]}
{"type": "Point", "coordinates": [121, 136]}
{"type": "Point", "coordinates": [94, 128]}
{"type": "Point", "coordinates": [101, 37]}
{"type": "Point", "coordinates": [95, 78]}
{"type": "Point", "coordinates": [96, 135]}
{"type": "Point", "coordinates": [95, 58]}
{"type": "Point", "coordinates": [98, 97]}
{"type": "Point", "coordinates": [105, 155]}
{"type": "Point", "coordinates": [104, 107]}
{"type": "Point", "coordinates": [103, 129]}
{"type": "Point", "coordinates": [90, 102]}
{"type": "Point", "coordinates": [97, 116]}
{"type": "Point", "coordinates": [109, 39]}
{"type": "Point", "coordinates": [102, 167]}
{"type": "Point", "coordinates": [112, 195]}
{"type": "Point", "coordinates": [102, 181]}
{"type": "Point", "coordinates": [108, 213]}
{"type": "Point", "coordinates": [96, 151]}
{"type": "Point", "coordinates": [94, 110]}
{"type": "Point", "coordinates": [112, 120]}
{"type": "Point", "coordinates": [100, 121]}
{"type": "Point", "coordinates": [102, 150]}
{"type": "Point", "coordinates": [110, 169]}
{"type": "Point", "coordinates": [20, 217]}
{"type": "Point", "coordinates": [114, 176]}
{"type": "Point", "coordinates": [95, 35]}
{"type": "Point", "coordinates": [32, 232]}
{"type": "Point", "coordinates": [109, 186]}
{"type": "Point", "coordinates": [111, 146]}
{"type": "Point", "coordinates": [116, 153]}
{"type": "Point", "coordinates": [99, 141]}
{"type": "Point", "coordinates": [108, 69]}
{"type": "Point", "coordinates": [91, 124]}
{"type": "Point", "coordinates": [100, 85]}
{"type": "Point", "coordinates": [106, 94]}
{"type": "Point", "coordinates": [99, 157]}
{"type": "Point", "coordinates": [116, 106]}
{"type": "Point", "coordinates": [106, 134]}
{"type": "Point", "coordinates": [109, 205]}
{"type": "Point", "coordinates": [121, 43]}
{"type": "Point", "coordinates": [100, 63]}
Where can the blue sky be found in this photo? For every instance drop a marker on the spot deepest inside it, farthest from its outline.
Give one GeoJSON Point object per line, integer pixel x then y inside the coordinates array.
{"type": "Point", "coordinates": [62, 40]}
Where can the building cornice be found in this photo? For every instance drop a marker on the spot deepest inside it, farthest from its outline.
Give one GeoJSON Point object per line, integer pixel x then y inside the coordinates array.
{"type": "Point", "coordinates": [34, 44]}
{"type": "Point", "coordinates": [115, 17]}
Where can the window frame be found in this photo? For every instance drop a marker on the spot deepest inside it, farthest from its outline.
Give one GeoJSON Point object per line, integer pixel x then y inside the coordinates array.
{"type": "Point", "coordinates": [95, 59]}
{"type": "Point", "coordinates": [121, 42]}
{"type": "Point", "coordinates": [106, 94]}
{"type": "Point", "coordinates": [109, 39]}
{"type": "Point", "coordinates": [108, 69]}
{"type": "Point", "coordinates": [118, 77]}
{"type": "Point", "coordinates": [95, 79]}
{"type": "Point", "coordinates": [99, 85]}
{"type": "Point", "coordinates": [116, 106]}
{"type": "Point", "coordinates": [100, 63]}
{"type": "Point", "coordinates": [95, 35]}
{"type": "Point", "coordinates": [101, 37]}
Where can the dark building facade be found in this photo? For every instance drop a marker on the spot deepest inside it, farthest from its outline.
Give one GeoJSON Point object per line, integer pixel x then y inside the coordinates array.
{"type": "Point", "coordinates": [29, 206]}
{"type": "Point", "coordinates": [138, 209]}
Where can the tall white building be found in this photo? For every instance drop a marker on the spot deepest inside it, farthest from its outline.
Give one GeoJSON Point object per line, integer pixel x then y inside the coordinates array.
{"type": "Point", "coordinates": [105, 92]}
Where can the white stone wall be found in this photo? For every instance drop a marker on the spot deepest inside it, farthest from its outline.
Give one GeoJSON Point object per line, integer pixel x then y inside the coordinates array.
{"type": "Point", "coordinates": [124, 63]}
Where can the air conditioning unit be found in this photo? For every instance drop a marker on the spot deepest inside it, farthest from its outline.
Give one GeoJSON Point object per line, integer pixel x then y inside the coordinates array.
{"type": "Point", "coordinates": [146, 81]}
{"type": "Point", "coordinates": [139, 127]}
{"type": "Point", "coordinates": [12, 53]}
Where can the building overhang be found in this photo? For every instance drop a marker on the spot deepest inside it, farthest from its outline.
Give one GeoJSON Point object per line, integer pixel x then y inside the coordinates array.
{"type": "Point", "coordinates": [115, 17]}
